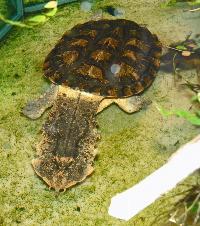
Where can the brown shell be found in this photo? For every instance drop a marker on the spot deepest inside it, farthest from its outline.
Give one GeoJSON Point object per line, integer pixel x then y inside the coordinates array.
{"type": "Point", "coordinates": [84, 56]}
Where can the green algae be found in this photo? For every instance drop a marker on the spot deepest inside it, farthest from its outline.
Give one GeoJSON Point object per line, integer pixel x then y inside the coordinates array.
{"type": "Point", "coordinates": [6, 10]}
{"type": "Point", "coordinates": [3, 7]}
{"type": "Point", "coordinates": [132, 146]}
{"type": "Point", "coordinates": [29, 2]}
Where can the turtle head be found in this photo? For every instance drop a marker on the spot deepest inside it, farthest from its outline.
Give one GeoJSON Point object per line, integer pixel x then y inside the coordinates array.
{"type": "Point", "coordinates": [61, 173]}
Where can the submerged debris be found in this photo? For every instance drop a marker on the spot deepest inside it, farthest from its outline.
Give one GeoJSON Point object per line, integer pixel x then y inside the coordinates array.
{"type": "Point", "coordinates": [86, 6]}
{"type": "Point", "coordinates": [193, 86]}
{"type": "Point", "coordinates": [114, 11]}
{"type": "Point", "coordinates": [182, 3]}
{"type": "Point", "coordinates": [183, 55]}
{"type": "Point", "coordinates": [187, 210]}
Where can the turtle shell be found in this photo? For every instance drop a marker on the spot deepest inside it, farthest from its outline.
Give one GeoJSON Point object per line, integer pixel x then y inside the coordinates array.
{"type": "Point", "coordinates": [113, 58]}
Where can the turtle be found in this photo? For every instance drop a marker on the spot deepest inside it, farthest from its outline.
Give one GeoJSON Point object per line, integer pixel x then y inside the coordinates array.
{"type": "Point", "coordinates": [93, 65]}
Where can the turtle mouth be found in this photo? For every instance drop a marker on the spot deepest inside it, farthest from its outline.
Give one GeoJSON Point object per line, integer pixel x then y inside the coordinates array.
{"type": "Point", "coordinates": [56, 172]}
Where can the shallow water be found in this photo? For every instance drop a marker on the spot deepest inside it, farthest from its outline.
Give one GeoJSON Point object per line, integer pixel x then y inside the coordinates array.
{"type": "Point", "coordinates": [27, 2]}
{"type": "Point", "coordinates": [132, 146]}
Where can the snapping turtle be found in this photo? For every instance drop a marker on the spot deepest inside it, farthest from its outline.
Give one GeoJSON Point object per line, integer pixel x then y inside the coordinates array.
{"type": "Point", "coordinates": [93, 65]}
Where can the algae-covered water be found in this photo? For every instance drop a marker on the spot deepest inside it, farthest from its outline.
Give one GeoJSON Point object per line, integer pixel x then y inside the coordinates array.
{"type": "Point", "coordinates": [131, 147]}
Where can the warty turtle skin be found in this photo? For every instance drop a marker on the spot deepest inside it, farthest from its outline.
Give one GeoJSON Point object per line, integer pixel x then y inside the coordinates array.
{"type": "Point", "coordinates": [80, 65]}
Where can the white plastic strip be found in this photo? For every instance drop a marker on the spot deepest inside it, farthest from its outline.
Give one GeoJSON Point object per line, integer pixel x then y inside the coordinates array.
{"type": "Point", "coordinates": [186, 160]}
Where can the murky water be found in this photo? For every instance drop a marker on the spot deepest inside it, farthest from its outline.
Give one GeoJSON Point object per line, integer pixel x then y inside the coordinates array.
{"type": "Point", "coordinates": [7, 9]}
{"type": "Point", "coordinates": [132, 145]}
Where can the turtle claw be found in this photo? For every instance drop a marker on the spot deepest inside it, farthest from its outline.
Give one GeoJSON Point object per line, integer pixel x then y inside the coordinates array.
{"type": "Point", "coordinates": [34, 109]}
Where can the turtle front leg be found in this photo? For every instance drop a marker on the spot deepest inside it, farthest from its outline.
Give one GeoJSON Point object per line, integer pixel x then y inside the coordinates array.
{"type": "Point", "coordinates": [67, 149]}
{"type": "Point", "coordinates": [34, 109]}
{"type": "Point", "coordinates": [129, 104]}
{"type": "Point", "coordinates": [132, 104]}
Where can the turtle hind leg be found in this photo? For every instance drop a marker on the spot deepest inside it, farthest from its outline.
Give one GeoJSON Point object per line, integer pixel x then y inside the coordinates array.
{"type": "Point", "coordinates": [66, 151]}
{"type": "Point", "coordinates": [34, 109]}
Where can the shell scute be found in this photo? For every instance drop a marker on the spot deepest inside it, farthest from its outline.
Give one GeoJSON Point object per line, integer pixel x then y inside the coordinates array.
{"type": "Point", "coordinates": [109, 41]}
{"type": "Point", "coordinates": [70, 56]}
{"type": "Point", "coordinates": [100, 55]}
